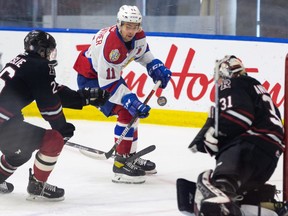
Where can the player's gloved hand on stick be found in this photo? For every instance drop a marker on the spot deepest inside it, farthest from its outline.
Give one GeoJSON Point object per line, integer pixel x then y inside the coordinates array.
{"type": "Point", "coordinates": [133, 105]}
{"type": "Point", "coordinates": [157, 71]}
{"type": "Point", "coordinates": [198, 143]}
{"type": "Point", "coordinates": [67, 131]}
{"type": "Point", "coordinates": [94, 96]}
{"type": "Point", "coordinates": [211, 142]}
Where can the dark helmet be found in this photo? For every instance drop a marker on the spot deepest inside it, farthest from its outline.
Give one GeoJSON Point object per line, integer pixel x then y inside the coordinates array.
{"type": "Point", "coordinates": [40, 42]}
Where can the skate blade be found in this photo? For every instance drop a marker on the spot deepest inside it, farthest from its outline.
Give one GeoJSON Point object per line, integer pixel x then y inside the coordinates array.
{"type": "Point", "coordinates": [5, 191]}
{"type": "Point", "coordinates": [43, 199]}
{"type": "Point", "coordinates": [125, 179]}
{"type": "Point", "coordinates": [151, 172]}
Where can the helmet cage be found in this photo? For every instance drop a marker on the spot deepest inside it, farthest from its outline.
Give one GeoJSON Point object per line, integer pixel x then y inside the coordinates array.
{"type": "Point", "coordinates": [230, 66]}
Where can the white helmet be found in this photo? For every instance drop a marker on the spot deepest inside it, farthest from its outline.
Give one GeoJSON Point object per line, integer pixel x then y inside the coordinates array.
{"type": "Point", "coordinates": [128, 13]}
{"type": "Point", "coordinates": [230, 66]}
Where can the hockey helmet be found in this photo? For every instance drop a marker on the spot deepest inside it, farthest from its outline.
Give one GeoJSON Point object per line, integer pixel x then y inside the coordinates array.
{"type": "Point", "coordinates": [40, 42]}
{"type": "Point", "coordinates": [128, 13]}
{"type": "Point", "coordinates": [229, 66]}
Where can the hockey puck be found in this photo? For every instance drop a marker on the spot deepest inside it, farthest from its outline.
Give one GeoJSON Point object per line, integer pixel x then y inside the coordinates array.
{"type": "Point", "coordinates": [161, 101]}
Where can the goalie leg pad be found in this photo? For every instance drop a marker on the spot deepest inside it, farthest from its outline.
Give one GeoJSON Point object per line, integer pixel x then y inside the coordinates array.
{"type": "Point", "coordinates": [211, 201]}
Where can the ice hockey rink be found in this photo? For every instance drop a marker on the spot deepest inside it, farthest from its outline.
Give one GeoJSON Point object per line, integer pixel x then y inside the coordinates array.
{"type": "Point", "coordinates": [87, 182]}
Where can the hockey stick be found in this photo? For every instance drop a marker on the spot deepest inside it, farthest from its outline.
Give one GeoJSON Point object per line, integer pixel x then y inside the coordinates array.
{"type": "Point", "coordinates": [84, 148]}
{"type": "Point", "coordinates": [216, 79]}
{"type": "Point", "coordinates": [133, 157]}
{"type": "Point", "coordinates": [101, 155]}
{"type": "Point", "coordinates": [133, 120]}
{"type": "Point", "coordinates": [94, 153]}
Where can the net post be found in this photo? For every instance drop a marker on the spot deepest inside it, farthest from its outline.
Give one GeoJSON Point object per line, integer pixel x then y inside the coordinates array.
{"type": "Point", "coordinates": [285, 115]}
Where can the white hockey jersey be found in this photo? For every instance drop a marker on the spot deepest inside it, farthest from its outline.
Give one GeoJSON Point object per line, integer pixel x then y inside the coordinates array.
{"type": "Point", "coordinates": [109, 55]}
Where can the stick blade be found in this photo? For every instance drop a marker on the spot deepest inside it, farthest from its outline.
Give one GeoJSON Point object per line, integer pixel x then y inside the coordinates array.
{"type": "Point", "coordinates": [142, 152]}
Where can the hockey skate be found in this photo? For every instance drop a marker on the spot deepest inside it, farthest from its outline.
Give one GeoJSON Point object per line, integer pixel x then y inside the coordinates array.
{"type": "Point", "coordinates": [43, 191]}
{"type": "Point", "coordinates": [127, 172]}
{"type": "Point", "coordinates": [146, 165]}
{"type": "Point", "coordinates": [6, 187]}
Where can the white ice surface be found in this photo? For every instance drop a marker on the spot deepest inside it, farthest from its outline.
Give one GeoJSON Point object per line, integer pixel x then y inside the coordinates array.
{"type": "Point", "coordinates": [87, 182]}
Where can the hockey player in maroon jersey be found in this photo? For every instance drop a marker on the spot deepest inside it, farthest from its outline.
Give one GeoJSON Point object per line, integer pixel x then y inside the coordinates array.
{"type": "Point", "coordinates": [248, 145]}
{"type": "Point", "coordinates": [31, 77]}
{"type": "Point", "coordinates": [111, 50]}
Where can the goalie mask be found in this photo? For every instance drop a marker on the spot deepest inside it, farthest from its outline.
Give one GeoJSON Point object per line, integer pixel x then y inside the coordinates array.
{"type": "Point", "coordinates": [229, 66]}
{"type": "Point", "coordinates": [42, 43]}
{"type": "Point", "coordinates": [130, 14]}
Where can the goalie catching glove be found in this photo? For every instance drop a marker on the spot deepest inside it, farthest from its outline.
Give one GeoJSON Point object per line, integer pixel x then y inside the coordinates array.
{"type": "Point", "coordinates": [94, 96]}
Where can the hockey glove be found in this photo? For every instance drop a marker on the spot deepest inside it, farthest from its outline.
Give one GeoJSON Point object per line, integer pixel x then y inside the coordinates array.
{"type": "Point", "coordinates": [67, 131]}
{"type": "Point", "coordinates": [134, 106]}
{"type": "Point", "coordinates": [211, 142]}
{"type": "Point", "coordinates": [198, 143]}
{"type": "Point", "coordinates": [157, 71]}
{"type": "Point", "coordinates": [94, 96]}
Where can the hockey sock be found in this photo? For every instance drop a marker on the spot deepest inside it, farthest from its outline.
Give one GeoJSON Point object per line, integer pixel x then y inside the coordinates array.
{"type": "Point", "coordinates": [6, 170]}
{"type": "Point", "coordinates": [125, 146]}
{"type": "Point", "coordinates": [47, 155]}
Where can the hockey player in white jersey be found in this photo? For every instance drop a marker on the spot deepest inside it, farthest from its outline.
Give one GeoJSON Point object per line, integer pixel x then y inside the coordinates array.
{"type": "Point", "coordinates": [112, 49]}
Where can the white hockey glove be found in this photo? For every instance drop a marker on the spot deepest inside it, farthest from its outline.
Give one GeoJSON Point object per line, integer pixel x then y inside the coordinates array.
{"type": "Point", "coordinates": [198, 143]}
{"type": "Point", "coordinates": [211, 142]}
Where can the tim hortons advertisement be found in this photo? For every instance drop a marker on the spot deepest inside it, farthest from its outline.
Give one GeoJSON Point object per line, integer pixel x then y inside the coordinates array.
{"type": "Point", "coordinates": [191, 61]}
